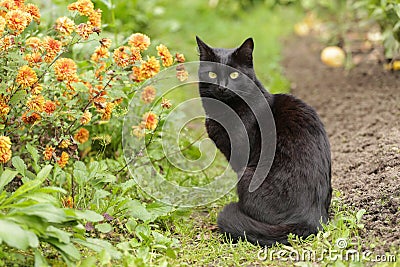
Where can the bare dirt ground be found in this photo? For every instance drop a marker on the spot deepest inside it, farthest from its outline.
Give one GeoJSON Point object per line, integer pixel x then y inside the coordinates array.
{"type": "Point", "coordinates": [361, 112]}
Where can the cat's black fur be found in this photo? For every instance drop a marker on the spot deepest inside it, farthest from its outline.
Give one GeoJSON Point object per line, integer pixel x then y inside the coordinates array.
{"type": "Point", "coordinates": [296, 193]}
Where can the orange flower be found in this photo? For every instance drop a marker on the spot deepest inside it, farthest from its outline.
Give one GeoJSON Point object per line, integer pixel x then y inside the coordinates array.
{"type": "Point", "coordinates": [65, 70]}
{"type": "Point", "coordinates": [4, 109]}
{"type": "Point", "coordinates": [136, 75]}
{"type": "Point", "coordinates": [180, 58]}
{"type": "Point", "coordinates": [105, 42]}
{"type": "Point", "coordinates": [149, 68]}
{"type": "Point", "coordinates": [64, 143]}
{"type": "Point", "coordinates": [148, 94]}
{"type": "Point", "coordinates": [68, 202]}
{"type": "Point", "coordinates": [49, 107]}
{"type": "Point", "coordinates": [30, 119]}
{"type": "Point", "coordinates": [17, 20]}
{"type": "Point", "coordinates": [150, 120]}
{"type": "Point", "coordinates": [122, 57]}
{"type": "Point", "coordinates": [52, 48]}
{"type": "Point", "coordinates": [6, 5]}
{"type": "Point", "coordinates": [48, 153]}
{"type": "Point", "coordinates": [34, 11]}
{"type": "Point", "coordinates": [99, 53]}
{"type": "Point", "coordinates": [63, 160]}
{"type": "Point", "coordinates": [139, 41]}
{"type": "Point", "coordinates": [107, 111]}
{"type": "Point", "coordinates": [95, 18]}
{"type": "Point", "coordinates": [34, 43]}
{"type": "Point", "coordinates": [33, 59]}
{"type": "Point", "coordinates": [82, 135]}
{"type": "Point", "coordinates": [19, 3]}
{"type": "Point", "coordinates": [165, 103]}
{"type": "Point", "coordinates": [165, 55]}
{"type": "Point", "coordinates": [26, 76]}
{"type": "Point", "coordinates": [86, 117]}
{"type": "Point", "coordinates": [36, 103]}
{"type": "Point", "coordinates": [84, 7]}
{"type": "Point", "coordinates": [2, 25]}
{"type": "Point", "coordinates": [5, 149]}
{"type": "Point", "coordinates": [84, 30]}
{"type": "Point", "coordinates": [182, 75]}
{"type": "Point", "coordinates": [65, 25]}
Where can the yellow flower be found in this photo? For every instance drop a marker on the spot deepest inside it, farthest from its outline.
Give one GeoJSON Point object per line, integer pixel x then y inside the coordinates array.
{"type": "Point", "coordinates": [6, 42]}
{"type": "Point", "coordinates": [17, 20]}
{"type": "Point", "coordinates": [180, 58]}
{"type": "Point", "coordinates": [34, 59]}
{"type": "Point", "coordinates": [30, 118]}
{"type": "Point", "coordinates": [65, 25]}
{"type": "Point", "coordinates": [2, 25]}
{"type": "Point", "coordinates": [52, 48]}
{"type": "Point", "coordinates": [84, 7]}
{"type": "Point", "coordinates": [65, 70]}
{"type": "Point", "coordinates": [122, 57]}
{"type": "Point", "coordinates": [165, 103]}
{"type": "Point", "coordinates": [136, 75]}
{"type": "Point", "coordinates": [34, 43]}
{"type": "Point", "coordinates": [105, 42]}
{"type": "Point", "coordinates": [99, 53]}
{"type": "Point", "coordinates": [107, 111]}
{"type": "Point", "coordinates": [150, 120]}
{"type": "Point", "coordinates": [33, 10]}
{"type": "Point", "coordinates": [149, 68]}
{"type": "Point", "coordinates": [48, 153]}
{"type": "Point", "coordinates": [36, 89]}
{"type": "Point", "coordinates": [68, 202]}
{"type": "Point", "coordinates": [84, 30]}
{"type": "Point", "coordinates": [64, 143]}
{"type": "Point", "coordinates": [5, 149]}
{"type": "Point", "coordinates": [26, 76]}
{"type": "Point", "coordinates": [86, 117]}
{"type": "Point", "coordinates": [95, 18]}
{"type": "Point", "coordinates": [82, 135]}
{"type": "Point", "coordinates": [182, 75]}
{"type": "Point", "coordinates": [139, 41]}
{"type": "Point", "coordinates": [165, 55]}
{"type": "Point", "coordinates": [19, 3]}
{"type": "Point", "coordinates": [63, 160]}
{"type": "Point", "coordinates": [49, 107]}
{"type": "Point", "coordinates": [138, 131]}
{"type": "Point", "coordinates": [5, 6]}
{"type": "Point", "coordinates": [36, 103]}
{"type": "Point", "coordinates": [148, 94]}
{"type": "Point", "coordinates": [4, 108]}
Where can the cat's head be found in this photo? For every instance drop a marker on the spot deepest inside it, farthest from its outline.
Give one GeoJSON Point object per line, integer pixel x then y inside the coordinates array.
{"type": "Point", "coordinates": [220, 81]}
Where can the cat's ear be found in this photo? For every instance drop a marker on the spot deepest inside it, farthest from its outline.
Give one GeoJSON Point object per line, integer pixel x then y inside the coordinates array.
{"type": "Point", "coordinates": [206, 52]}
{"type": "Point", "coordinates": [244, 53]}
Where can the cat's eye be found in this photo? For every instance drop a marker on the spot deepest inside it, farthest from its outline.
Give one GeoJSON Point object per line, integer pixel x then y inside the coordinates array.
{"type": "Point", "coordinates": [212, 75]}
{"type": "Point", "coordinates": [234, 75]}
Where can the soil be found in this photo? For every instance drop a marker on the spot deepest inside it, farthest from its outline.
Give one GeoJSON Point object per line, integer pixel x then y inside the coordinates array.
{"type": "Point", "coordinates": [360, 108]}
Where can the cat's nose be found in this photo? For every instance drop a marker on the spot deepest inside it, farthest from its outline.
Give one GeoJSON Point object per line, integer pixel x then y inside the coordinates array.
{"type": "Point", "coordinates": [222, 89]}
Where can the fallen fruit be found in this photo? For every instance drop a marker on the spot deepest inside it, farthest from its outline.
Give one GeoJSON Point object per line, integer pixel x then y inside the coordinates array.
{"type": "Point", "coordinates": [333, 56]}
{"type": "Point", "coordinates": [301, 29]}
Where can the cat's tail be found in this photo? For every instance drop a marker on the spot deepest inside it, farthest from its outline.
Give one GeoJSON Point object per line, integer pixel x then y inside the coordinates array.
{"type": "Point", "coordinates": [237, 225]}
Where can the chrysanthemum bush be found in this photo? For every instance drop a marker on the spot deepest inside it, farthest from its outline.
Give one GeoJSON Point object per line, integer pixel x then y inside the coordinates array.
{"type": "Point", "coordinates": [52, 107]}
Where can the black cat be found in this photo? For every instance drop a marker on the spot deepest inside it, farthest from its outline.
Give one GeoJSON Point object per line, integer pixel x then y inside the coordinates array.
{"type": "Point", "coordinates": [294, 196]}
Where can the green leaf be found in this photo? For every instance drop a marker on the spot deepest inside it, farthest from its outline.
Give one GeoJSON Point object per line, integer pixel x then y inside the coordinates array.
{"type": "Point", "coordinates": [138, 211]}
{"type": "Point", "coordinates": [15, 236]}
{"type": "Point", "coordinates": [88, 262]}
{"type": "Point", "coordinates": [104, 227]}
{"type": "Point", "coordinates": [88, 215]}
{"type": "Point", "coordinates": [68, 251]}
{"type": "Point", "coordinates": [33, 151]}
{"type": "Point", "coordinates": [45, 211]}
{"type": "Point", "coordinates": [19, 164]}
{"type": "Point", "coordinates": [25, 188]}
{"type": "Point", "coordinates": [61, 235]}
{"type": "Point", "coordinates": [45, 172]}
{"type": "Point", "coordinates": [98, 245]}
{"type": "Point", "coordinates": [40, 261]}
{"type": "Point", "coordinates": [360, 214]}
{"type": "Point", "coordinates": [19, 96]}
{"type": "Point", "coordinates": [80, 173]}
{"type": "Point", "coordinates": [6, 177]}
